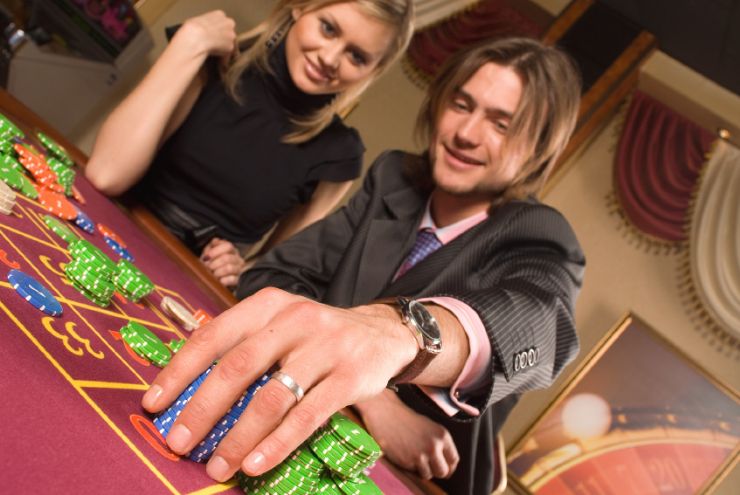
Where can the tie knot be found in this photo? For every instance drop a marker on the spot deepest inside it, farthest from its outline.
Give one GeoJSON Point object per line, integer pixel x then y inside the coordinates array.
{"type": "Point", "coordinates": [426, 243]}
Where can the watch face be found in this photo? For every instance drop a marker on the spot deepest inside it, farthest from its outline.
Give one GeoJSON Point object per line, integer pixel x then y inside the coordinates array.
{"type": "Point", "coordinates": [425, 321]}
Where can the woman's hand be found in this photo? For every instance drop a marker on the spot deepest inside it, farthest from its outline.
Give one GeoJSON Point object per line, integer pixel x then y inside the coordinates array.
{"type": "Point", "coordinates": [224, 260]}
{"type": "Point", "coordinates": [408, 439]}
{"type": "Point", "coordinates": [212, 33]}
{"type": "Point", "coordinates": [338, 356]}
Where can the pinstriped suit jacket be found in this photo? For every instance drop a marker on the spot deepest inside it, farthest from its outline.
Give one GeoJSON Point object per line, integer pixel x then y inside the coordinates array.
{"type": "Point", "coordinates": [520, 270]}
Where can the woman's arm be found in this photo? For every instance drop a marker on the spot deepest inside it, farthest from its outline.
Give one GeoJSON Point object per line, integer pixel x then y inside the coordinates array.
{"type": "Point", "coordinates": [224, 259]}
{"type": "Point", "coordinates": [158, 105]}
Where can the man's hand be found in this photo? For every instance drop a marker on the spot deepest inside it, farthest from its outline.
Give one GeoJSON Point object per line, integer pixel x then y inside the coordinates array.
{"type": "Point", "coordinates": [338, 356]}
{"type": "Point", "coordinates": [224, 260]}
{"type": "Point", "coordinates": [408, 439]}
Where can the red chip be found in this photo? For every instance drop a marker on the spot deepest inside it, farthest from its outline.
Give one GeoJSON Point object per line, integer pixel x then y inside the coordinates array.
{"type": "Point", "coordinates": [56, 203]}
{"type": "Point", "coordinates": [78, 196]}
{"type": "Point", "coordinates": [202, 317]}
{"type": "Point", "coordinates": [107, 232]}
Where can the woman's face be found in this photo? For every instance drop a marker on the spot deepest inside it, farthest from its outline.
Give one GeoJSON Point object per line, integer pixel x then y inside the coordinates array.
{"type": "Point", "coordinates": [332, 48]}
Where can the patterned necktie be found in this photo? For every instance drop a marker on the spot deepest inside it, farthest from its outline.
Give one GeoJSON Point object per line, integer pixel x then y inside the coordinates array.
{"type": "Point", "coordinates": [426, 243]}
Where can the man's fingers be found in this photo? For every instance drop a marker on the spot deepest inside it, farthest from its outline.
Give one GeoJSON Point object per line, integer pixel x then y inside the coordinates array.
{"type": "Point", "coordinates": [422, 467]}
{"type": "Point", "coordinates": [299, 424]}
{"type": "Point", "coordinates": [451, 455]}
{"type": "Point", "coordinates": [209, 343]}
{"type": "Point", "coordinates": [438, 465]}
{"type": "Point", "coordinates": [264, 414]}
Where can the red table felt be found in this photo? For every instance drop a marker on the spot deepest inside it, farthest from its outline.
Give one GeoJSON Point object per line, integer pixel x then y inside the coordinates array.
{"type": "Point", "coordinates": [70, 419]}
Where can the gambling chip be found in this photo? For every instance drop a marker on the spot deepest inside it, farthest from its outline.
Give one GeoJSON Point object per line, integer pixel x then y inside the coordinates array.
{"type": "Point", "coordinates": [146, 344]}
{"type": "Point", "coordinates": [17, 180]}
{"type": "Point", "coordinates": [360, 485]}
{"type": "Point", "coordinates": [176, 344]}
{"type": "Point", "coordinates": [345, 447]}
{"type": "Point", "coordinates": [202, 317]}
{"type": "Point", "coordinates": [7, 199]}
{"type": "Point", "coordinates": [84, 222]}
{"type": "Point", "coordinates": [179, 313]}
{"type": "Point", "coordinates": [36, 294]}
{"type": "Point", "coordinates": [60, 229]}
{"type": "Point", "coordinates": [55, 148]}
{"type": "Point", "coordinates": [107, 232]}
{"type": "Point", "coordinates": [130, 282]}
{"type": "Point", "coordinates": [118, 249]}
{"type": "Point", "coordinates": [56, 204]}
{"type": "Point", "coordinates": [8, 129]}
{"type": "Point", "coordinates": [202, 452]}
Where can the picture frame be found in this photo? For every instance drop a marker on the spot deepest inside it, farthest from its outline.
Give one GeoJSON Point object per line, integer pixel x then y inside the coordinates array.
{"type": "Point", "coordinates": [638, 416]}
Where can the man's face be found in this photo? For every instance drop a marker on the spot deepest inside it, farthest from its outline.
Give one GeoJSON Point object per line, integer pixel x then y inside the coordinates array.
{"type": "Point", "coordinates": [470, 132]}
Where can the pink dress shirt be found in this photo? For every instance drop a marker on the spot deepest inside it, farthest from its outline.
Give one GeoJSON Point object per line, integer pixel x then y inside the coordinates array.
{"type": "Point", "coordinates": [476, 371]}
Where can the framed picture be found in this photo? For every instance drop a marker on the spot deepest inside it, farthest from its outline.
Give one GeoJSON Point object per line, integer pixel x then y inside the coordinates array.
{"type": "Point", "coordinates": [637, 417]}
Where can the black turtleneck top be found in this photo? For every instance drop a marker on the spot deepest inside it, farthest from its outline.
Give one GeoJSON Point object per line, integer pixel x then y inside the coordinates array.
{"type": "Point", "coordinates": [227, 166]}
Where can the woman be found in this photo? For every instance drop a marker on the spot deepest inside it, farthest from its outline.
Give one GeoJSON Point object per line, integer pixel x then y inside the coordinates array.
{"type": "Point", "coordinates": [221, 156]}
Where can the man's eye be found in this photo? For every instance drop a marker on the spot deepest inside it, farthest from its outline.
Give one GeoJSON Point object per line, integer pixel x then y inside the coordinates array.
{"type": "Point", "coordinates": [459, 104]}
{"type": "Point", "coordinates": [501, 126]}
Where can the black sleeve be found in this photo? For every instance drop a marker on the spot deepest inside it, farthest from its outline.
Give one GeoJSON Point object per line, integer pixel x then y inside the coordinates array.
{"type": "Point", "coordinates": [344, 161]}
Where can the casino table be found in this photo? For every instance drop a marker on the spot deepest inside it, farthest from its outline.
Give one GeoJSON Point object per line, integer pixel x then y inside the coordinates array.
{"type": "Point", "coordinates": [71, 420]}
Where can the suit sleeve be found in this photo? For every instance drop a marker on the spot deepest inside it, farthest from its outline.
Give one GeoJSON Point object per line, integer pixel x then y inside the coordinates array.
{"type": "Point", "coordinates": [305, 263]}
{"type": "Point", "coordinates": [526, 303]}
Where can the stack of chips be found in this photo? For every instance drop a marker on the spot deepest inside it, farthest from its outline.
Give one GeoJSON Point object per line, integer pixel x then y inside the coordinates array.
{"type": "Point", "coordinates": [131, 282]}
{"type": "Point", "coordinates": [202, 452]}
{"type": "Point", "coordinates": [179, 313]}
{"type": "Point", "coordinates": [175, 345]}
{"type": "Point", "coordinates": [55, 149]}
{"type": "Point", "coordinates": [7, 199]}
{"type": "Point", "coordinates": [39, 169]}
{"type": "Point", "coordinates": [144, 343]}
{"type": "Point", "coordinates": [60, 229]}
{"type": "Point", "coordinates": [8, 130]}
{"type": "Point", "coordinates": [65, 174]}
{"type": "Point", "coordinates": [300, 473]}
{"type": "Point", "coordinates": [91, 272]}
{"type": "Point", "coordinates": [12, 174]}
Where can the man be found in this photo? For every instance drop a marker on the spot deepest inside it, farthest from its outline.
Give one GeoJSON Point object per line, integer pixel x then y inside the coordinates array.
{"type": "Point", "coordinates": [500, 284]}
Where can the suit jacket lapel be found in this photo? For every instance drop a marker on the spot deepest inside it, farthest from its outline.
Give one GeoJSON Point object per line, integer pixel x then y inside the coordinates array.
{"type": "Point", "coordinates": [389, 238]}
{"type": "Point", "coordinates": [431, 268]}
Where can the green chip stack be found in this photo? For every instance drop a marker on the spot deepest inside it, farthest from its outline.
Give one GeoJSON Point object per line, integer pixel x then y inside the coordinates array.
{"type": "Point", "coordinates": [344, 447]}
{"type": "Point", "coordinates": [332, 462]}
{"type": "Point", "coordinates": [144, 343]}
{"type": "Point", "coordinates": [8, 130]}
{"type": "Point", "coordinates": [55, 149]}
{"type": "Point", "coordinates": [131, 282]}
{"type": "Point", "coordinates": [65, 174]}
{"type": "Point", "coordinates": [60, 229]}
{"type": "Point", "coordinates": [176, 344]}
{"type": "Point", "coordinates": [91, 272]}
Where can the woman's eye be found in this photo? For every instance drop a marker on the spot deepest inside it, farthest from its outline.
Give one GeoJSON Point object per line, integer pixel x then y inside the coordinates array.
{"type": "Point", "coordinates": [501, 126]}
{"type": "Point", "coordinates": [357, 58]}
{"type": "Point", "coordinates": [327, 28]}
{"type": "Point", "coordinates": [459, 104]}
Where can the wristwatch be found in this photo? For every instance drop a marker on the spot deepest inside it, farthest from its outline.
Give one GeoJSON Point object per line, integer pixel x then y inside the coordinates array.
{"type": "Point", "coordinates": [426, 332]}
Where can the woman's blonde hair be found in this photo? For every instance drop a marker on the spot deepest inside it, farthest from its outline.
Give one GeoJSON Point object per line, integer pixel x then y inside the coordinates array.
{"type": "Point", "coordinates": [259, 42]}
{"type": "Point", "coordinates": [547, 111]}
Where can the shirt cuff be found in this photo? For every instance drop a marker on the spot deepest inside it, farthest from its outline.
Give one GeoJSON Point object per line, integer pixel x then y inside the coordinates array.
{"type": "Point", "coordinates": [476, 370]}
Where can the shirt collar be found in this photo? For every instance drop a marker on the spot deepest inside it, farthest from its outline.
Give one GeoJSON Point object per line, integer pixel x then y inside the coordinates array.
{"type": "Point", "coordinates": [447, 234]}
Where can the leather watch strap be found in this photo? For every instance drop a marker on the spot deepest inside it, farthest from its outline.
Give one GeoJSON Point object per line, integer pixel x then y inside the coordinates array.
{"type": "Point", "coordinates": [411, 371]}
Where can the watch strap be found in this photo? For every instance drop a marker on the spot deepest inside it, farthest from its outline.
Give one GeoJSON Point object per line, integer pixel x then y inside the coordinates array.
{"type": "Point", "coordinates": [420, 362]}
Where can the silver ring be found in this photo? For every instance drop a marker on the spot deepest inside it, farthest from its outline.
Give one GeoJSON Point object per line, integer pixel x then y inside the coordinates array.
{"type": "Point", "coordinates": [288, 381]}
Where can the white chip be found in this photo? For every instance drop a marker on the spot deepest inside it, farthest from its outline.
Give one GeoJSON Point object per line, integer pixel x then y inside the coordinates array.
{"type": "Point", "coordinates": [179, 313]}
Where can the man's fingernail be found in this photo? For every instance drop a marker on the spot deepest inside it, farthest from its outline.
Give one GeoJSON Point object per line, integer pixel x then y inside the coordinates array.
{"type": "Point", "coordinates": [149, 400]}
{"type": "Point", "coordinates": [217, 468]}
{"type": "Point", "coordinates": [253, 464]}
{"type": "Point", "coordinates": [179, 439]}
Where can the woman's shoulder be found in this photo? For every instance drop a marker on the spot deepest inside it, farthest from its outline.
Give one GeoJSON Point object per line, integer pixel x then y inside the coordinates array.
{"type": "Point", "coordinates": [343, 139]}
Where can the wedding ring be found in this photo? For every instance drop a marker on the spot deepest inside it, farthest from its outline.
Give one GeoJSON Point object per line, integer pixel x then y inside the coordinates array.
{"type": "Point", "coordinates": [288, 381]}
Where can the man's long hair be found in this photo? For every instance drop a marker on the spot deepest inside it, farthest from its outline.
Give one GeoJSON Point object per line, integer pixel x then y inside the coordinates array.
{"type": "Point", "coordinates": [543, 121]}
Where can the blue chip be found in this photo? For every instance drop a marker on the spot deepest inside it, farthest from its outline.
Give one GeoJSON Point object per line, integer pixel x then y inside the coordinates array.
{"type": "Point", "coordinates": [32, 291]}
{"type": "Point", "coordinates": [202, 452]}
{"type": "Point", "coordinates": [118, 249]}
{"type": "Point", "coordinates": [84, 222]}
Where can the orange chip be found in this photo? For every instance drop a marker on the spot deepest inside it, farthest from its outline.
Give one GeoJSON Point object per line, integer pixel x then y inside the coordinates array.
{"type": "Point", "coordinates": [78, 196]}
{"type": "Point", "coordinates": [56, 203]}
{"type": "Point", "coordinates": [202, 317]}
{"type": "Point", "coordinates": [107, 232]}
